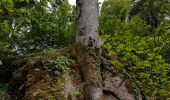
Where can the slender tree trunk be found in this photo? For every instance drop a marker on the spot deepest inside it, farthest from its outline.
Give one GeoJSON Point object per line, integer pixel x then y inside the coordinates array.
{"type": "Point", "coordinates": [86, 34]}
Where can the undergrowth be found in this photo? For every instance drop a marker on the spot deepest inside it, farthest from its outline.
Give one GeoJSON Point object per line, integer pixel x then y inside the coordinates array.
{"type": "Point", "coordinates": [4, 93]}
{"type": "Point", "coordinates": [53, 61]}
{"type": "Point", "coordinates": [140, 58]}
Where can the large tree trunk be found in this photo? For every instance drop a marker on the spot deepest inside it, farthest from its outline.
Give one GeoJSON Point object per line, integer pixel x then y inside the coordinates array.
{"type": "Point", "coordinates": [86, 34]}
{"type": "Point", "coordinates": [87, 23]}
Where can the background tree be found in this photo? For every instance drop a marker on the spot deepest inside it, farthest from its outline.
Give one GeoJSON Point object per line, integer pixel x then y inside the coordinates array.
{"type": "Point", "coordinates": [112, 13]}
{"type": "Point", "coordinates": [30, 26]}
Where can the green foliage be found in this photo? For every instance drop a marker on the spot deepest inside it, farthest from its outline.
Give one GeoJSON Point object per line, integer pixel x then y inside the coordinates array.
{"type": "Point", "coordinates": [137, 55]}
{"type": "Point", "coordinates": [29, 26]}
{"type": "Point", "coordinates": [112, 13]}
{"type": "Point", "coordinates": [152, 11]}
{"type": "Point", "coordinates": [137, 51]}
{"type": "Point", "coordinates": [53, 61]}
{"type": "Point", "coordinates": [115, 8]}
{"type": "Point", "coordinates": [4, 93]}
{"type": "Point", "coordinates": [6, 7]}
{"type": "Point", "coordinates": [58, 66]}
{"type": "Point", "coordinates": [163, 40]}
{"type": "Point", "coordinates": [48, 28]}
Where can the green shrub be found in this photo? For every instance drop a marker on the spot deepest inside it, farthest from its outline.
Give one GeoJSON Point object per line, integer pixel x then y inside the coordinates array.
{"type": "Point", "coordinates": [53, 61]}
{"type": "Point", "coordinates": [140, 58]}
{"type": "Point", "coordinates": [57, 66]}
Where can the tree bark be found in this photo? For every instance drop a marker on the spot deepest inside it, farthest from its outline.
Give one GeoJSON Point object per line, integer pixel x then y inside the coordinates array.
{"type": "Point", "coordinates": [87, 23]}
{"type": "Point", "coordinates": [87, 35]}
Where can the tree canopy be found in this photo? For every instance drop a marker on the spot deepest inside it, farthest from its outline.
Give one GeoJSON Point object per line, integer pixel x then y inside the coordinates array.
{"type": "Point", "coordinates": [28, 25]}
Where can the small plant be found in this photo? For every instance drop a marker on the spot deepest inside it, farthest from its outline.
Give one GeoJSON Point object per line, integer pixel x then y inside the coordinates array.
{"type": "Point", "coordinates": [53, 61]}
{"type": "Point", "coordinates": [57, 66]}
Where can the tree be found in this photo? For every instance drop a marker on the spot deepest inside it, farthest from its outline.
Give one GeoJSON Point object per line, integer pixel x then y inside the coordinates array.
{"type": "Point", "coordinates": [87, 22]}
{"type": "Point", "coordinates": [86, 34]}
{"type": "Point", "coordinates": [29, 26]}
{"type": "Point", "coordinates": [152, 11]}
{"type": "Point", "coordinates": [112, 13]}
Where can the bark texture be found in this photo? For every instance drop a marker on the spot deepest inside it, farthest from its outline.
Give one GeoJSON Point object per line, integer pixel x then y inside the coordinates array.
{"type": "Point", "coordinates": [87, 23]}
{"type": "Point", "coordinates": [86, 34]}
